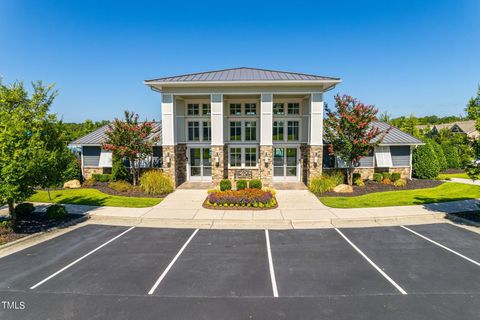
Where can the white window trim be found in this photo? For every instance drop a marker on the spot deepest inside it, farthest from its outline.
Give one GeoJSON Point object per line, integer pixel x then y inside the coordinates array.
{"type": "Point", "coordinates": [242, 103]}
{"type": "Point", "coordinates": [242, 121]}
{"type": "Point", "coordinates": [285, 106]}
{"type": "Point", "coordinates": [242, 152]}
{"type": "Point", "coordinates": [200, 121]}
{"type": "Point", "coordinates": [383, 155]}
{"type": "Point", "coordinates": [285, 129]}
{"type": "Point", "coordinates": [200, 102]}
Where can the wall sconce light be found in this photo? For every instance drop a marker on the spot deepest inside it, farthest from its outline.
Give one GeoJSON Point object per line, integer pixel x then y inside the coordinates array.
{"type": "Point", "coordinates": [315, 158]}
{"type": "Point", "coordinates": [266, 157]}
{"type": "Point", "coordinates": [167, 158]}
{"type": "Point", "coordinates": [217, 158]}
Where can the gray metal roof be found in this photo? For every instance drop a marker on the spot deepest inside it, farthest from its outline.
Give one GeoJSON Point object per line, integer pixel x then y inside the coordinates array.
{"type": "Point", "coordinates": [243, 74]}
{"type": "Point", "coordinates": [98, 136]}
{"type": "Point", "coordinates": [394, 136]}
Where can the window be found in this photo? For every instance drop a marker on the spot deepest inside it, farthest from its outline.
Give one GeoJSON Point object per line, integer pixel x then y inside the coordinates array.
{"type": "Point", "coordinates": [250, 130]}
{"type": "Point", "coordinates": [278, 130]}
{"type": "Point", "coordinates": [193, 131]}
{"type": "Point", "coordinates": [193, 109]}
{"type": "Point", "coordinates": [292, 130]}
{"type": "Point", "coordinates": [250, 109]}
{"type": "Point", "coordinates": [236, 109]}
{"type": "Point", "coordinates": [383, 157]}
{"type": "Point", "coordinates": [235, 157]}
{"type": "Point", "coordinates": [293, 108]}
{"type": "Point", "coordinates": [250, 157]}
{"type": "Point", "coordinates": [235, 131]}
{"type": "Point", "coordinates": [207, 130]}
{"type": "Point", "coordinates": [278, 108]}
{"type": "Point", "coordinates": [206, 109]}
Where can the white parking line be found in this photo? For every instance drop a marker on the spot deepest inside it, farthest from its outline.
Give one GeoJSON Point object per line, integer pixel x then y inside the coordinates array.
{"type": "Point", "coordinates": [80, 259]}
{"type": "Point", "coordinates": [164, 273]}
{"type": "Point", "coordinates": [442, 246]}
{"type": "Point", "coordinates": [372, 263]}
{"type": "Point", "coordinates": [270, 264]}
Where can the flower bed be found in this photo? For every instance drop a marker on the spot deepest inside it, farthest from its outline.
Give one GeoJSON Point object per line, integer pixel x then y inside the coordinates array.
{"type": "Point", "coordinates": [241, 199]}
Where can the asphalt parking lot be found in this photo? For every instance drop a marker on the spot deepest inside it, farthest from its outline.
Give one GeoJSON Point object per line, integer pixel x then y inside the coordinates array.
{"type": "Point", "coordinates": [97, 271]}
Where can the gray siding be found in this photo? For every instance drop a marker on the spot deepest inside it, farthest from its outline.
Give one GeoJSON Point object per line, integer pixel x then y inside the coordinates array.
{"type": "Point", "coordinates": [366, 162]}
{"type": "Point", "coordinates": [400, 156]}
{"type": "Point", "coordinates": [91, 156]}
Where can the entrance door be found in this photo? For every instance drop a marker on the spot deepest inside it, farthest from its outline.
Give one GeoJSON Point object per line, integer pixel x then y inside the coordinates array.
{"type": "Point", "coordinates": [285, 164]}
{"type": "Point", "coordinates": [200, 162]}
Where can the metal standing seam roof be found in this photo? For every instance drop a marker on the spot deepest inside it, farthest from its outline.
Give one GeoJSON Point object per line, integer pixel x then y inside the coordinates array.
{"type": "Point", "coordinates": [394, 136]}
{"type": "Point", "coordinates": [98, 136]}
{"type": "Point", "coordinates": [243, 74]}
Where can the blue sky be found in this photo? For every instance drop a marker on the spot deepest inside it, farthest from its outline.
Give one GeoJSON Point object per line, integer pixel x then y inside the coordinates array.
{"type": "Point", "coordinates": [405, 57]}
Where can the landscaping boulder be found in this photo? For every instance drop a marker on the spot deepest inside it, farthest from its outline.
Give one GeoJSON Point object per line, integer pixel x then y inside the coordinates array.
{"type": "Point", "coordinates": [72, 184]}
{"type": "Point", "coordinates": [343, 188]}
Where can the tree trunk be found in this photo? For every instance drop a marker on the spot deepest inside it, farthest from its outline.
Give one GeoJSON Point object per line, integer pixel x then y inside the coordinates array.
{"type": "Point", "coordinates": [11, 209]}
{"type": "Point", "coordinates": [134, 171]}
{"type": "Point", "coordinates": [350, 174]}
{"type": "Point", "coordinates": [49, 196]}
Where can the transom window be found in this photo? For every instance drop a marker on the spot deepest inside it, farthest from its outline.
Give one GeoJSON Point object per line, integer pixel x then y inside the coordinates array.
{"type": "Point", "coordinates": [235, 157]}
{"type": "Point", "coordinates": [235, 131]}
{"type": "Point", "coordinates": [278, 130]}
{"type": "Point", "coordinates": [193, 109]}
{"type": "Point", "coordinates": [206, 109]}
{"type": "Point", "coordinates": [293, 130]}
{"type": "Point", "coordinates": [207, 130]}
{"type": "Point", "coordinates": [293, 108]}
{"type": "Point", "coordinates": [250, 109]}
{"type": "Point", "coordinates": [278, 108]}
{"type": "Point", "coordinates": [194, 131]}
{"type": "Point", "coordinates": [245, 157]}
{"type": "Point", "coordinates": [236, 109]}
{"type": "Point", "coordinates": [250, 130]}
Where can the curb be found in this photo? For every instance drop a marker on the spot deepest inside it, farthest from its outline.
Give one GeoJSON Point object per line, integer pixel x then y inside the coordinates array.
{"type": "Point", "coordinates": [455, 218]}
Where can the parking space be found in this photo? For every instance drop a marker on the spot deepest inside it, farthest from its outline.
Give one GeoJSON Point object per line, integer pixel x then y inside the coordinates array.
{"type": "Point", "coordinates": [270, 274]}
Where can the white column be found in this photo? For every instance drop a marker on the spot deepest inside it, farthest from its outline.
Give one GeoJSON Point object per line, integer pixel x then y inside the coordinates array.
{"type": "Point", "coordinates": [216, 103]}
{"type": "Point", "coordinates": [266, 119]}
{"type": "Point", "coordinates": [316, 119]}
{"type": "Point", "coordinates": [168, 120]}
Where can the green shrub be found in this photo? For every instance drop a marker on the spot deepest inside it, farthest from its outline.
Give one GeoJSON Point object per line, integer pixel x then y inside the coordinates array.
{"type": "Point", "coordinates": [322, 184]}
{"type": "Point", "coordinates": [424, 162]}
{"type": "Point", "coordinates": [255, 184]}
{"type": "Point", "coordinates": [442, 160]}
{"type": "Point", "coordinates": [73, 170]}
{"type": "Point", "coordinates": [24, 209]}
{"type": "Point", "coordinates": [6, 227]}
{"type": "Point", "coordinates": [377, 177]}
{"type": "Point", "coordinates": [225, 184]}
{"type": "Point", "coordinates": [155, 182]}
{"type": "Point", "coordinates": [57, 212]}
{"type": "Point", "coordinates": [395, 176]}
{"type": "Point", "coordinates": [358, 182]}
{"type": "Point", "coordinates": [452, 156]}
{"type": "Point", "coordinates": [120, 186]}
{"type": "Point", "coordinates": [119, 171]}
{"type": "Point", "coordinates": [242, 184]}
{"type": "Point", "coordinates": [386, 176]}
{"type": "Point", "coordinates": [338, 177]}
{"type": "Point", "coordinates": [356, 176]}
{"type": "Point", "coordinates": [400, 183]}
{"type": "Point", "coordinates": [98, 177]}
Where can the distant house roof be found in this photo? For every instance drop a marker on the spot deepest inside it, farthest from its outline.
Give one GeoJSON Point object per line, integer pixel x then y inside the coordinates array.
{"type": "Point", "coordinates": [394, 136]}
{"type": "Point", "coordinates": [242, 74]}
{"type": "Point", "coordinates": [467, 127]}
{"type": "Point", "coordinates": [97, 137]}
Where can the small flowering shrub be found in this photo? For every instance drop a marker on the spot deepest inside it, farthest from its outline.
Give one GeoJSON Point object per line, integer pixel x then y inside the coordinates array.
{"type": "Point", "coordinates": [256, 198]}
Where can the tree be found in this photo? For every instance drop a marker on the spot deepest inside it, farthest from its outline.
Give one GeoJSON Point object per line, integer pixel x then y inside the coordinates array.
{"type": "Point", "coordinates": [442, 161]}
{"type": "Point", "coordinates": [451, 155]}
{"type": "Point", "coordinates": [473, 108]}
{"type": "Point", "coordinates": [25, 129]}
{"type": "Point", "coordinates": [350, 132]}
{"type": "Point", "coordinates": [130, 139]}
{"type": "Point", "coordinates": [424, 162]}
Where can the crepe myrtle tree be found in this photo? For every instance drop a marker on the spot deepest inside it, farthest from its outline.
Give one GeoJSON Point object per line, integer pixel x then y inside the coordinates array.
{"type": "Point", "coordinates": [349, 131]}
{"type": "Point", "coordinates": [131, 139]}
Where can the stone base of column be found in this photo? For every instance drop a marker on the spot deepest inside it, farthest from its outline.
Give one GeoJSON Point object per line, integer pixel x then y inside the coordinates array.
{"type": "Point", "coordinates": [219, 168]}
{"type": "Point", "coordinates": [314, 169]}
{"type": "Point", "coordinates": [176, 167]}
{"type": "Point", "coordinates": [266, 169]}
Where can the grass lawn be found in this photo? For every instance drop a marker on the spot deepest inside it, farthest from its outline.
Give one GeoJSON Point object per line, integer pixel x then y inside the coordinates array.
{"type": "Point", "coordinates": [93, 197]}
{"type": "Point", "coordinates": [444, 176]}
{"type": "Point", "coordinates": [449, 191]}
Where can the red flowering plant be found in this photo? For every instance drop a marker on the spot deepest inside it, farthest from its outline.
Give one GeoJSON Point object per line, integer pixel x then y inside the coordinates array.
{"type": "Point", "coordinates": [131, 139]}
{"type": "Point", "coordinates": [349, 131]}
{"type": "Point", "coordinates": [243, 198]}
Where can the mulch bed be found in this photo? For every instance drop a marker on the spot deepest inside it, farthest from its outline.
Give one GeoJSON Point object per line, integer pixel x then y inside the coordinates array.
{"type": "Point", "coordinates": [372, 186]}
{"type": "Point", "coordinates": [38, 222]}
{"type": "Point", "coordinates": [238, 208]}
{"type": "Point", "coordinates": [469, 215]}
{"type": "Point", "coordinates": [103, 187]}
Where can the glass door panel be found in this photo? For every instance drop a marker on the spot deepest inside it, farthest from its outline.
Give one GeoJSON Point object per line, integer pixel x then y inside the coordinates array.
{"type": "Point", "coordinates": [195, 162]}
{"type": "Point", "coordinates": [207, 162]}
{"type": "Point", "coordinates": [291, 162]}
{"type": "Point", "coordinates": [278, 162]}
{"type": "Point", "coordinates": [200, 162]}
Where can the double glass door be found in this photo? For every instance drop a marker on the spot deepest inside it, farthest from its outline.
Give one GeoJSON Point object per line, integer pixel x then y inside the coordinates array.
{"type": "Point", "coordinates": [285, 164]}
{"type": "Point", "coordinates": [200, 162]}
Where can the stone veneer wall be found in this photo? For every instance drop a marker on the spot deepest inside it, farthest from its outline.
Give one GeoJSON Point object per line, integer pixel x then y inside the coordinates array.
{"type": "Point", "coordinates": [219, 169]}
{"type": "Point", "coordinates": [266, 169]}
{"type": "Point", "coordinates": [404, 172]}
{"type": "Point", "coordinates": [169, 168]}
{"type": "Point", "coordinates": [180, 164]}
{"type": "Point", "coordinates": [88, 171]}
{"type": "Point", "coordinates": [304, 163]}
{"type": "Point", "coordinates": [365, 173]}
{"type": "Point", "coordinates": [314, 169]}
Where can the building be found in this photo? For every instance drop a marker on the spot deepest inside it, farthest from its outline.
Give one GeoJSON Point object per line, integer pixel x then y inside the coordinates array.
{"type": "Point", "coordinates": [247, 123]}
{"type": "Point", "coordinates": [467, 128]}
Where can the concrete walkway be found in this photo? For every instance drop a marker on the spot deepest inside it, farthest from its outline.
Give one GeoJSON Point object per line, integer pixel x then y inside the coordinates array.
{"type": "Point", "coordinates": [465, 181]}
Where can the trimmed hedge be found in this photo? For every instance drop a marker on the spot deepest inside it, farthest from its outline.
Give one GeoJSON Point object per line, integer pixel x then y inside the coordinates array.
{"type": "Point", "coordinates": [242, 184]}
{"type": "Point", "coordinates": [424, 162]}
{"type": "Point", "coordinates": [225, 184]}
{"type": "Point", "coordinates": [377, 177]}
{"type": "Point", "coordinates": [386, 176]}
{"type": "Point", "coordinates": [98, 177]}
{"type": "Point", "coordinates": [395, 176]}
{"type": "Point", "coordinates": [57, 212]}
{"type": "Point", "coordinates": [24, 209]}
{"type": "Point", "coordinates": [255, 184]}
{"type": "Point", "coordinates": [256, 198]}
